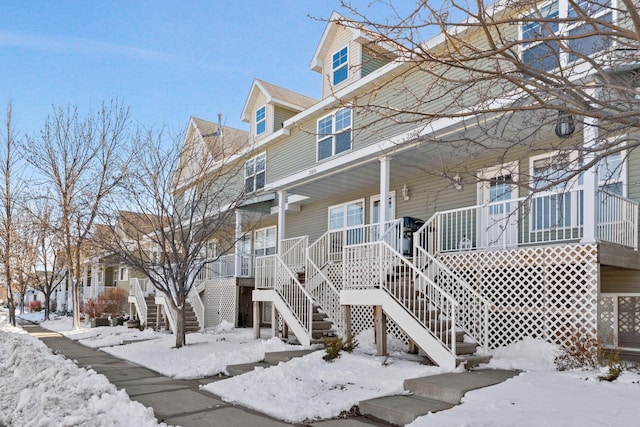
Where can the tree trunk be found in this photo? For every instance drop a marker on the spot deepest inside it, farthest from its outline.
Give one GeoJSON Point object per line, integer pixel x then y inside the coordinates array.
{"type": "Point", "coordinates": [180, 328]}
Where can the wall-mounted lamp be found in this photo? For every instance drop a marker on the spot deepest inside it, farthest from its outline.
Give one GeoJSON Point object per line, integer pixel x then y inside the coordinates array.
{"type": "Point", "coordinates": [405, 193]}
{"type": "Point", "coordinates": [565, 124]}
{"type": "Point", "coordinates": [457, 184]}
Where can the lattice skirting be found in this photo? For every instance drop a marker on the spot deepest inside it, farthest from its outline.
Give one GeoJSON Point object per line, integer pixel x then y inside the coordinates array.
{"type": "Point", "coordinates": [548, 292]}
{"type": "Point", "coordinates": [362, 319]}
{"type": "Point", "coordinates": [219, 298]}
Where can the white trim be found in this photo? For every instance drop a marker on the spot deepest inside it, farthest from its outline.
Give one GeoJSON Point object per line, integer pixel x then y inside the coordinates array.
{"type": "Point", "coordinates": [256, 122]}
{"type": "Point", "coordinates": [376, 198]}
{"type": "Point", "coordinates": [343, 65]}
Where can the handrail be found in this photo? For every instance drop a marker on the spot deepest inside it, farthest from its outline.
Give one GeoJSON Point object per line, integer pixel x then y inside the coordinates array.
{"type": "Point", "coordinates": [548, 217]}
{"type": "Point", "coordinates": [161, 299]}
{"type": "Point", "coordinates": [135, 289]}
{"type": "Point", "coordinates": [273, 273]}
{"type": "Point", "coordinates": [198, 306]}
{"type": "Point", "coordinates": [377, 264]}
{"type": "Point", "coordinates": [293, 252]}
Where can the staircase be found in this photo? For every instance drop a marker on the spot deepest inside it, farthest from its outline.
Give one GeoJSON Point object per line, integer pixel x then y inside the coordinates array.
{"type": "Point", "coordinates": [401, 282]}
{"type": "Point", "coordinates": [152, 311]}
{"type": "Point", "coordinates": [190, 319]}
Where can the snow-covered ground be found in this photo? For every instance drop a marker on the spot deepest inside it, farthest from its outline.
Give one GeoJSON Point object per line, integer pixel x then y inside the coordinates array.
{"type": "Point", "coordinates": [311, 387]}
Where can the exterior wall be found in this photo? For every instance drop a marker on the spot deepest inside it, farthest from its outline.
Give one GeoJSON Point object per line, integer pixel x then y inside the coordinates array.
{"type": "Point", "coordinates": [619, 280]}
{"type": "Point", "coordinates": [260, 101]}
{"type": "Point", "coordinates": [280, 115]}
{"type": "Point", "coordinates": [371, 61]}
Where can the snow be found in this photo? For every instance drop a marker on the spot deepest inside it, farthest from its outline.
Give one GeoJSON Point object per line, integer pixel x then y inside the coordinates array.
{"type": "Point", "coordinates": [312, 388]}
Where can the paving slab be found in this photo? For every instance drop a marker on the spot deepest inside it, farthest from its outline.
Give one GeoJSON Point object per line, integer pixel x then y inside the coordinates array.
{"type": "Point", "coordinates": [127, 373]}
{"type": "Point", "coordinates": [402, 409]}
{"type": "Point", "coordinates": [178, 402]}
{"type": "Point", "coordinates": [348, 422]}
{"type": "Point", "coordinates": [228, 417]}
{"type": "Point", "coordinates": [451, 387]}
{"type": "Point", "coordinates": [275, 357]}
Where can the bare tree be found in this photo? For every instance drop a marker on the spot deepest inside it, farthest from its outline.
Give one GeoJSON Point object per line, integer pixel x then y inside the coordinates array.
{"type": "Point", "coordinates": [46, 272]}
{"type": "Point", "coordinates": [8, 193]}
{"type": "Point", "coordinates": [507, 75]}
{"type": "Point", "coordinates": [79, 160]}
{"type": "Point", "coordinates": [179, 199]}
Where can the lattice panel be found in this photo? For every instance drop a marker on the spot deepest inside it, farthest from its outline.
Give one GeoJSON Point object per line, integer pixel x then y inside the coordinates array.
{"type": "Point", "coordinates": [334, 274]}
{"type": "Point", "coordinates": [220, 301]}
{"type": "Point", "coordinates": [362, 319]}
{"type": "Point", "coordinates": [606, 321]}
{"type": "Point", "coordinates": [548, 292]}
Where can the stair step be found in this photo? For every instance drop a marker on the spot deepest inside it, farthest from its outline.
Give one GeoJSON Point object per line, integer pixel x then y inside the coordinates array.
{"type": "Point", "coordinates": [451, 387]}
{"type": "Point", "coordinates": [275, 357]}
{"type": "Point", "coordinates": [401, 410]}
{"type": "Point", "coordinates": [471, 361]}
{"type": "Point", "coordinates": [321, 325]}
{"type": "Point", "coordinates": [243, 368]}
{"type": "Point", "coordinates": [466, 348]}
{"type": "Point", "coordinates": [319, 334]}
{"type": "Point", "coordinates": [319, 316]}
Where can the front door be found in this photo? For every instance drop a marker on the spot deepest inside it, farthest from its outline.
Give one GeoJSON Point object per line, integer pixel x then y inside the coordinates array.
{"type": "Point", "coordinates": [498, 216]}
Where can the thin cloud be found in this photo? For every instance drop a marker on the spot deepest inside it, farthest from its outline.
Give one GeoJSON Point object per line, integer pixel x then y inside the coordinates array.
{"type": "Point", "coordinates": [64, 44]}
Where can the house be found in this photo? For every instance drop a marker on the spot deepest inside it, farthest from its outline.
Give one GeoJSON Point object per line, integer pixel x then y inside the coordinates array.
{"type": "Point", "coordinates": [390, 203]}
{"type": "Point", "coordinates": [462, 255]}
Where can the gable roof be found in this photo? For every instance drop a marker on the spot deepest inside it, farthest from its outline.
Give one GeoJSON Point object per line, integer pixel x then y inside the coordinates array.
{"type": "Point", "coordinates": [276, 95]}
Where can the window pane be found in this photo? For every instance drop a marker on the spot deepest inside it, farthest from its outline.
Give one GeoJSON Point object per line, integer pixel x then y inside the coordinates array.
{"type": "Point", "coordinates": [248, 168]}
{"type": "Point", "coordinates": [260, 114]}
{"type": "Point", "coordinates": [261, 162]}
{"type": "Point", "coordinates": [336, 218]}
{"type": "Point", "coordinates": [340, 75]}
{"type": "Point", "coordinates": [588, 44]}
{"type": "Point", "coordinates": [340, 58]}
{"type": "Point", "coordinates": [325, 148]}
{"type": "Point", "coordinates": [260, 180]}
{"type": "Point", "coordinates": [325, 127]}
{"type": "Point", "coordinates": [261, 127]}
{"type": "Point", "coordinates": [543, 56]}
{"type": "Point", "coordinates": [343, 141]}
{"type": "Point", "coordinates": [355, 214]}
{"type": "Point", "coordinates": [535, 29]}
{"type": "Point", "coordinates": [343, 119]}
{"type": "Point", "coordinates": [248, 185]}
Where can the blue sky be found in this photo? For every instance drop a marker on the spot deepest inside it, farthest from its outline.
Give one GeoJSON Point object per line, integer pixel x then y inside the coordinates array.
{"type": "Point", "coordinates": [167, 60]}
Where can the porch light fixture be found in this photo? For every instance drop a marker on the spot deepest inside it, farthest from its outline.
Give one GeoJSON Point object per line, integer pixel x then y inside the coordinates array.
{"type": "Point", "coordinates": [457, 184]}
{"type": "Point", "coordinates": [405, 193]}
{"type": "Point", "coordinates": [565, 124]}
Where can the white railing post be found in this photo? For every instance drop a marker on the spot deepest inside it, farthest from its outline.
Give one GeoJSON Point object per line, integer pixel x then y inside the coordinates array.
{"type": "Point", "coordinates": [590, 177]}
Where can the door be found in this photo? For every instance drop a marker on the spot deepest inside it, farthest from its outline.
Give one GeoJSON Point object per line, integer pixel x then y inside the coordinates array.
{"type": "Point", "coordinates": [375, 212]}
{"type": "Point", "coordinates": [498, 216]}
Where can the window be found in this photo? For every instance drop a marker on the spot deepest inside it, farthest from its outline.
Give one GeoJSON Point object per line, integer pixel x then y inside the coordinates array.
{"type": "Point", "coordinates": [124, 273]}
{"type": "Point", "coordinates": [580, 37]}
{"type": "Point", "coordinates": [255, 173]}
{"type": "Point", "coordinates": [265, 241]}
{"type": "Point", "coordinates": [340, 65]}
{"type": "Point", "coordinates": [99, 276]}
{"type": "Point", "coordinates": [348, 215]}
{"type": "Point", "coordinates": [261, 120]}
{"type": "Point", "coordinates": [556, 206]}
{"type": "Point", "coordinates": [611, 174]}
{"type": "Point", "coordinates": [334, 133]}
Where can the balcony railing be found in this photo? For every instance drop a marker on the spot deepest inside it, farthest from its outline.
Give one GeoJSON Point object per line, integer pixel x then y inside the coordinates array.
{"type": "Point", "coordinates": [225, 266]}
{"type": "Point", "coordinates": [551, 217]}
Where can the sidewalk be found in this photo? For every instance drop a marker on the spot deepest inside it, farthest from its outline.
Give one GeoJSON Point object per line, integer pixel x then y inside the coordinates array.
{"type": "Point", "coordinates": [175, 402]}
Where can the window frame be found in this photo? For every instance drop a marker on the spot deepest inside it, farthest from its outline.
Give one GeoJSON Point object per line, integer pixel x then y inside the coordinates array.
{"type": "Point", "coordinates": [261, 120]}
{"type": "Point", "coordinates": [261, 238]}
{"type": "Point", "coordinates": [342, 66]}
{"type": "Point", "coordinates": [334, 134]}
{"type": "Point", "coordinates": [255, 173]}
{"type": "Point", "coordinates": [123, 274]}
{"type": "Point", "coordinates": [345, 208]}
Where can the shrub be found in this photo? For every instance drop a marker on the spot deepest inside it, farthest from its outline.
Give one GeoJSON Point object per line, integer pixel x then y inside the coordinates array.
{"type": "Point", "coordinates": [35, 306]}
{"type": "Point", "coordinates": [111, 302]}
{"type": "Point", "coordinates": [334, 345]}
{"type": "Point", "coordinates": [583, 351]}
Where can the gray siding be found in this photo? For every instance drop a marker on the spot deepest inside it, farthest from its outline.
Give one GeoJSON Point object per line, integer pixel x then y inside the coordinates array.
{"type": "Point", "coordinates": [279, 116]}
{"type": "Point", "coordinates": [371, 61]}
{"type": "Point", "coordinates": [619, 280]}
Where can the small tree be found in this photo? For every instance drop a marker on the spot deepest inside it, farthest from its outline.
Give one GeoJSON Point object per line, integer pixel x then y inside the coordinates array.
{"type": "Point", "coordinates": [79, 163]}
{"type": "Point", "coordinates": [180, 198]}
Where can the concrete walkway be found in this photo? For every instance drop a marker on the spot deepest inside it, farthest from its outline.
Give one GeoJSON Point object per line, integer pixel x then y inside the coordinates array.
{"type": "Point", "coordinates": [175, 402]}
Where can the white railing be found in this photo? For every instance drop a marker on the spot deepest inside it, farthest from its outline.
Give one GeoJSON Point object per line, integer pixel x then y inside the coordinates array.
{"type": "Point", "coordinates": [294, 253]}
{"type": "Point", "coordinates": [161, 299]}
{"type": "Point", "coordinates": [377, 264]}
{"type": "Point", "coordinates": [137, 289]}
{"type": "Point", "coordinates": [272, 273]}
{"type": "Point", "coordinates": [550, 217]}
{"type": "Point", "coordinates": [224, 266]}
{"type": "Point", "coordinates": [617, 220]}
{"type": "Point", "coordinates": [198, 306]}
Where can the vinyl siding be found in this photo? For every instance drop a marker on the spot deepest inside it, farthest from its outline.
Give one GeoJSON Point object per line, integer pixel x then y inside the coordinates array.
{"type": "Point", "coordinates": [619, 280]}
{"type": "Point", "coordinates": [371, 61]}
{"type": "Point", "coordinates": [342, 38]}
{"type": "Point", "coordinates": [279, 116]}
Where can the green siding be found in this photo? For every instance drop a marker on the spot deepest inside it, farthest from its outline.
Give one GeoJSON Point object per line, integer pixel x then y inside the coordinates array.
{"type": "Point", "coordinates": [280, 115]}
{"type": "Point", "coordinates": [371, 61]}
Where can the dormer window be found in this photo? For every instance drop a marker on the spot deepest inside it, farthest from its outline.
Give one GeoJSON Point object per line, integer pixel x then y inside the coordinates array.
{"type": "Point", "coordinates": [340, 65]}
{"type": "Point", "coordinates": [261, 120]}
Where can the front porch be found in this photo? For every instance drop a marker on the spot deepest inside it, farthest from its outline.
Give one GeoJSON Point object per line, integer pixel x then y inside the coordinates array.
{"type": "Point", "coordinates": [498, 272]}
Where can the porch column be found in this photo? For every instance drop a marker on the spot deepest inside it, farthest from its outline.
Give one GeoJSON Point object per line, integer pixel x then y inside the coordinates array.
{"type": "Point", "coordinates": [380, 330]}
{"type": "Point", "coordinates": [282, 210]}
{"type": "Point", "coordinates": [238, 236]}
{"type": "Point", "coordinates": [384, 191]}
{"type": "Point", "coordinates": [256, 320]}
{"type": "Point", "coordinates": [590, 186]}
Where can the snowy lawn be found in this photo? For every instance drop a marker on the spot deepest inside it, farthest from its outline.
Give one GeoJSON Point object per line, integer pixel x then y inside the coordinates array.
{"type": "Point", "coordinates": [38, 388]}
{"type": "Point", "coordinates": [314, 389]}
